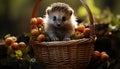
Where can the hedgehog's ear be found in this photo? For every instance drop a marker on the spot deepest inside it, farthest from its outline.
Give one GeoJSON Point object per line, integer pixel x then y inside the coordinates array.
{"type": "Point", "coordinates": [48, 10]}
{"type": "Point", "coordinates": [71, 12]}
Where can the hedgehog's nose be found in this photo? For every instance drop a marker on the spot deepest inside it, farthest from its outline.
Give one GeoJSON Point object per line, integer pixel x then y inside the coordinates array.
{"type": "Point", "coordinates": [58, 24]}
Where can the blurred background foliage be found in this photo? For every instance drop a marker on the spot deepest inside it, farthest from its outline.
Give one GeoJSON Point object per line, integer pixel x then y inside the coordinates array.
{"type": "Point", "coordinates": [15, 14]}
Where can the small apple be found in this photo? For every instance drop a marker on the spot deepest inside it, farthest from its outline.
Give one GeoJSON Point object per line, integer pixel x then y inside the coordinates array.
{"type": "Point", "coordinates": [81, 28]}
{"type": "Point", "coordinates": [33, 21]}
{"type": "Point", "coordinates": [78, 34]}
{"type": "Point", "coordinates": [104, 56]}
{"type": "Point", "coordinates": [22, 45]}
{"type": "Point", "coordinates": [41, 37]}
{"type": "Point", "coordinates": [14, 46]}
{"type": "Point", "coordinates": [96, 54]}
{"type": "Point", "coordinates": [87, 31]}
{"type": "Point", "coordinates": [35, 32]}
{"type": "Point", "coordinates": [40, 21]}
{"type": "Point", "coordinates": [9, 41]}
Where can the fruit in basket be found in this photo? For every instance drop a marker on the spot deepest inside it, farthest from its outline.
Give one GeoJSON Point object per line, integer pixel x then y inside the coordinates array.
{"type": "Point", "coordinates": [86, 31]}
{"type": "Point", "coordinates": [104, 56]}
{"type": "Point", "coordinates": [36, 21]}
{"type": "Point", "coordinates": [41, 37]}
{"type": "Point", "coordinates": [33, 21]}
{"type": "Point", "coordinates": [81, 28]}
{"type": "Point", "coordinates": [40, 21]}
{"type": "Point", "coordinates": [81, 31]}
{"type": "Point", "coordinates": [35, 32]}
{"type": "Point", "coordinates": [79, 34]}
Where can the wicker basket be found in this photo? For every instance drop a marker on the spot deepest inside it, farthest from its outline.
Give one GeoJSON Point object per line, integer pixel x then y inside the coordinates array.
{"type": "Point", "coordinates": [73, 54]}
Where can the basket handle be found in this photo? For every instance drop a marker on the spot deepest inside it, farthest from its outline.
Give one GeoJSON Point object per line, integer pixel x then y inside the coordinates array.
{"type": "Point", "coordinates": [35, 8]}
{"type": "Point", "coordinates": [92, 34]}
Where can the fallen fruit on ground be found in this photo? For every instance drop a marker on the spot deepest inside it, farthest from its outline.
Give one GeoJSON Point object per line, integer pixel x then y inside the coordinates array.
{"type": "Point", "coordinates": [96, 54]}
{"type": "Point", "coordinates": [104, 56]}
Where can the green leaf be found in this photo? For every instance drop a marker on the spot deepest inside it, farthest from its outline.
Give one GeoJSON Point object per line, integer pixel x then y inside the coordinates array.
{"type": "Point", "coordinates": [19, 53]}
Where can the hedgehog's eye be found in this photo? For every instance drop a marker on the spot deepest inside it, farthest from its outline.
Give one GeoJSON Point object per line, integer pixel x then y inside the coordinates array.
{"type": "Point", "coordinates": [54, 18]}
{"type": "Point", "coordinates": [63, 18]}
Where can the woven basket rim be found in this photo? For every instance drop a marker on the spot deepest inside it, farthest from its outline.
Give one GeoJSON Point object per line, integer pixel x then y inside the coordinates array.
{"type": "Point", "coordinates": [63, 43]}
